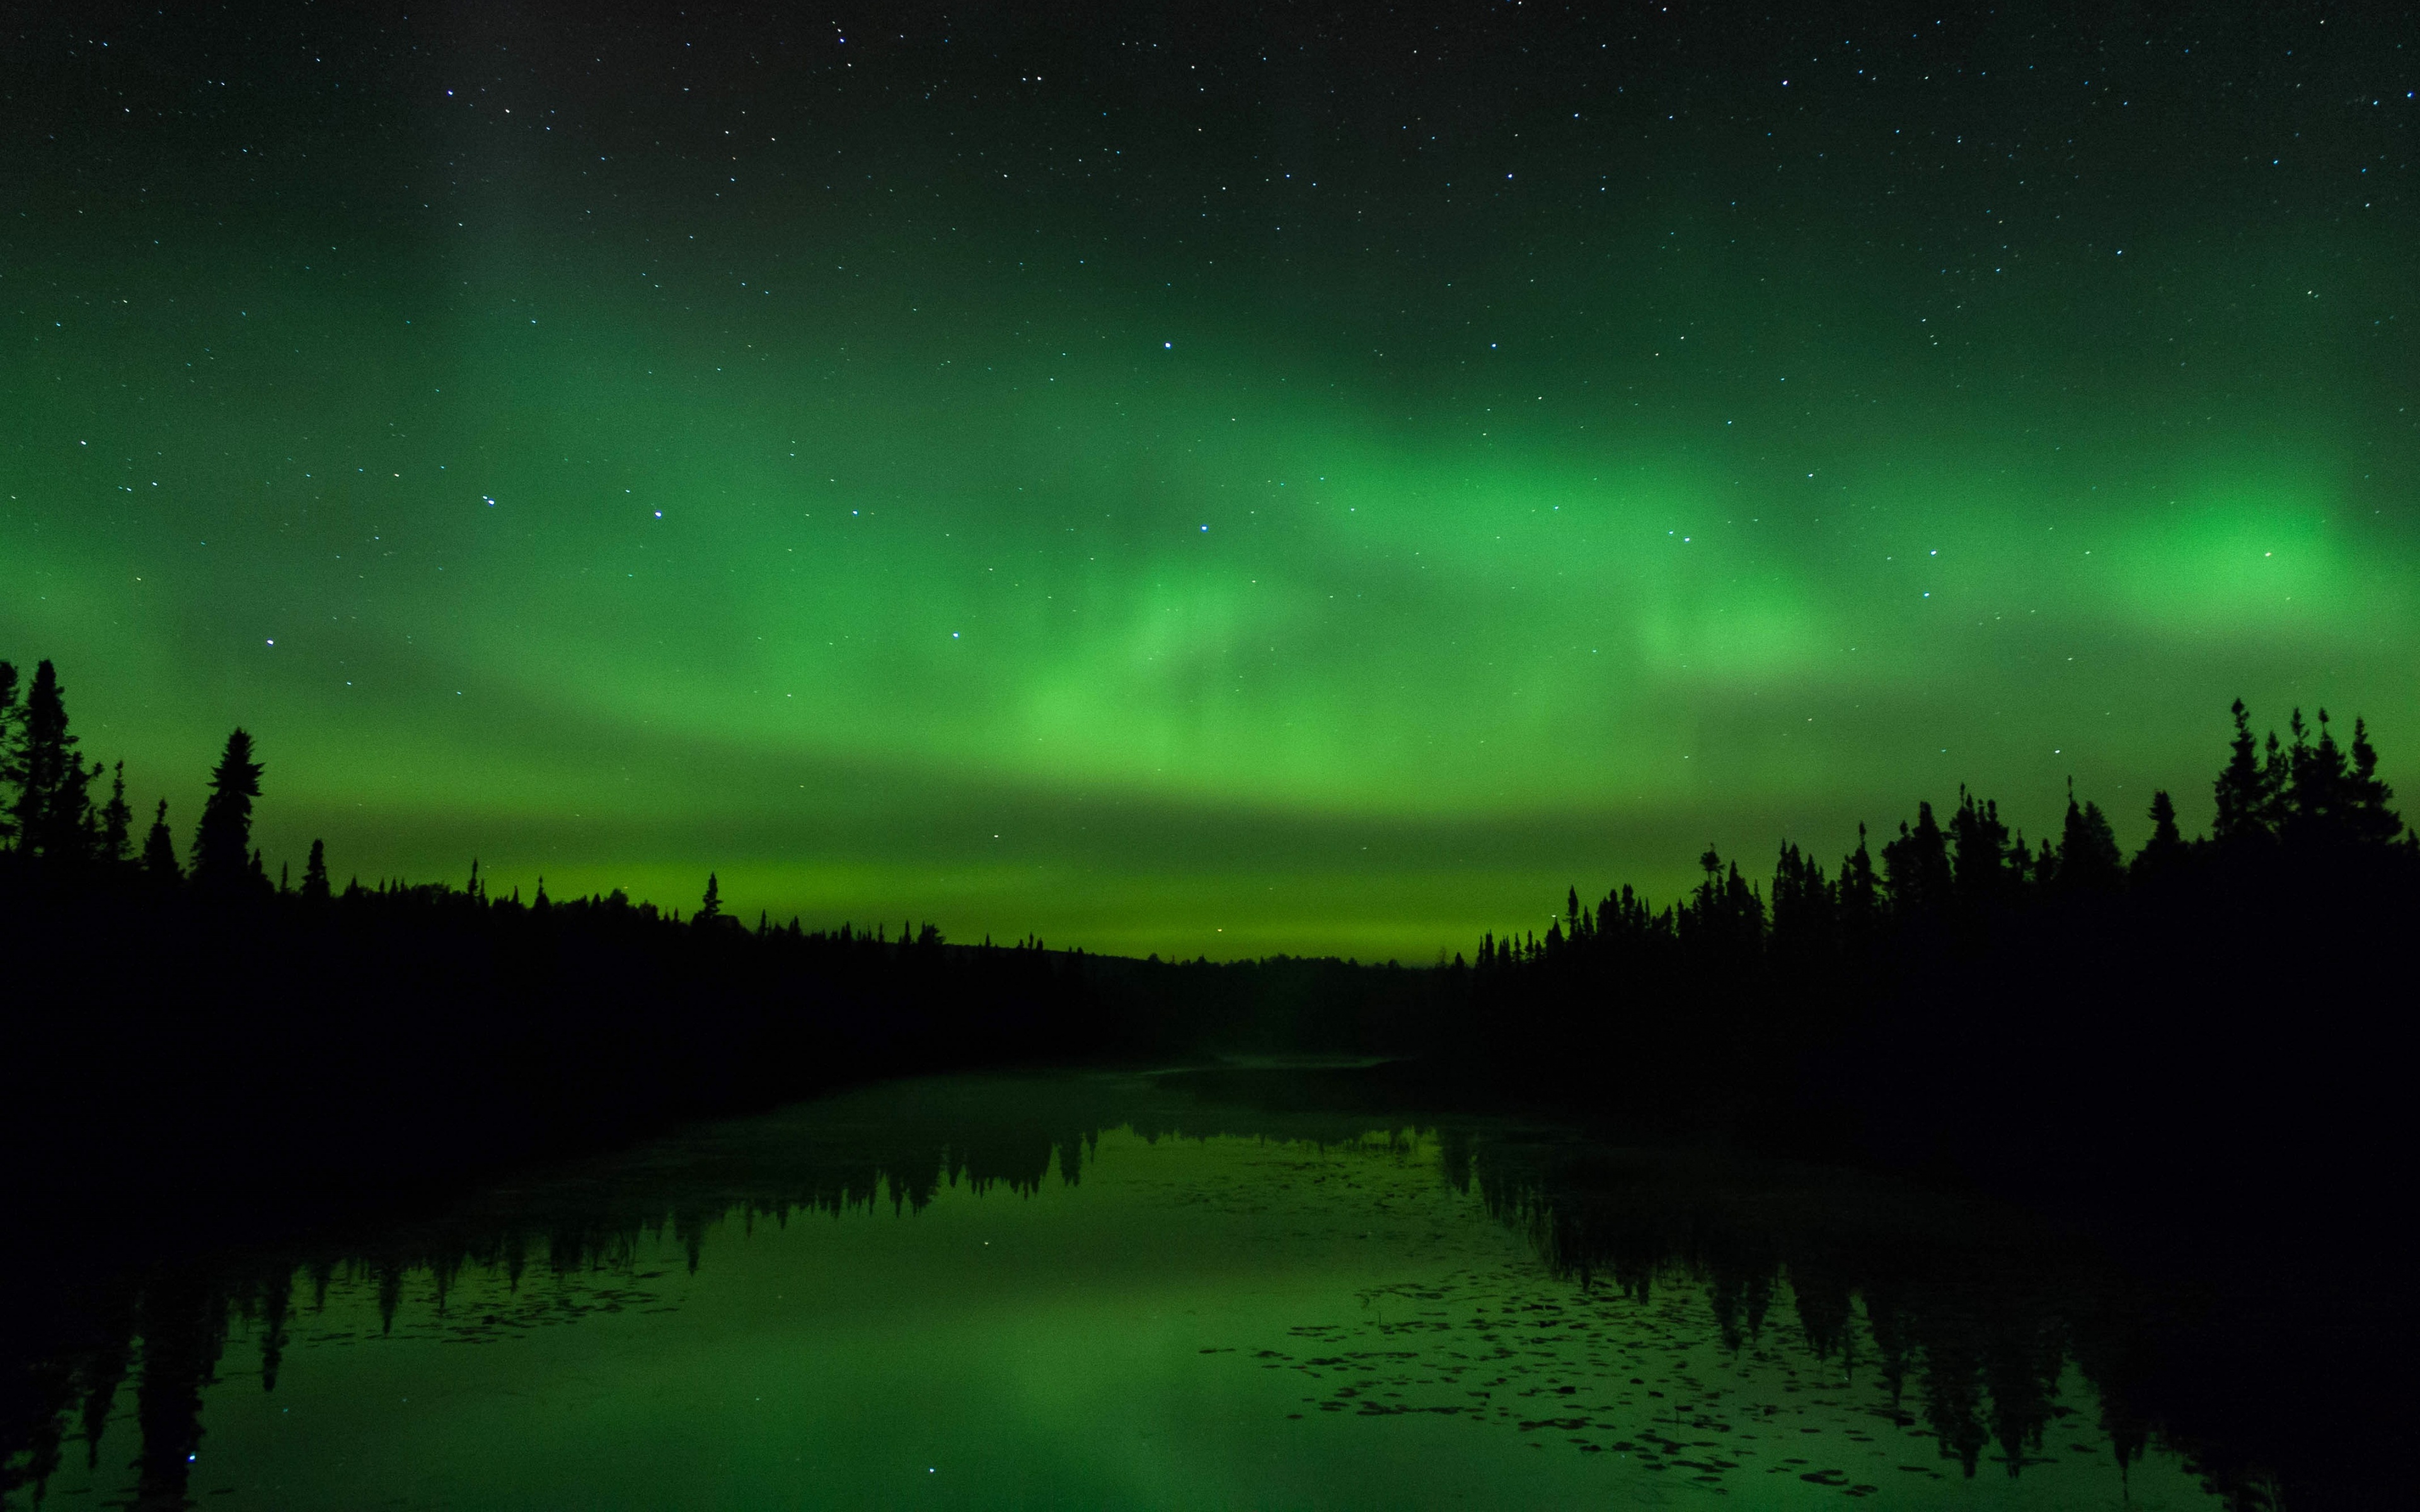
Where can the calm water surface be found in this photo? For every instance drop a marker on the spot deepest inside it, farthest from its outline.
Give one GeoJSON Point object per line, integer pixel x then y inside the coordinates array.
{"type": "Point", "coordinates": [1116, 1291]}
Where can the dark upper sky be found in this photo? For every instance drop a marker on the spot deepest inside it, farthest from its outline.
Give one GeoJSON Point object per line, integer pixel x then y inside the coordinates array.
{"type": "Point", "coordinates": [1200, 477]}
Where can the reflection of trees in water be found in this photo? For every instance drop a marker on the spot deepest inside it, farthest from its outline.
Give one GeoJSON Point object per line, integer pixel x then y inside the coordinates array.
{"type": "Point", "coordinates": [1968, 1319]}
{"type": "Point", "coordinates": [1964, 1321]}
{"type": "Point", "coordinates": [68, 1339]}
{"type": "Point", "coordinates": [1977, 1324]}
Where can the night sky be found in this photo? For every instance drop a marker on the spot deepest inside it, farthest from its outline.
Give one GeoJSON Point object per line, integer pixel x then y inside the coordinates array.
{"type": "Point", "coordinates": [1200, 478]}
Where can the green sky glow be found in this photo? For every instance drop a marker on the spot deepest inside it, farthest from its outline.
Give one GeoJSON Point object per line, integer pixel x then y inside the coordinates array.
{"type": "Point", "coordinates": [1039, 560]}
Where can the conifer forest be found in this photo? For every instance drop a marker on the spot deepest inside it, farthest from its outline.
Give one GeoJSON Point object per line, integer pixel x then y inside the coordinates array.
{"type": "Point", "coordinates": [1313, 755]}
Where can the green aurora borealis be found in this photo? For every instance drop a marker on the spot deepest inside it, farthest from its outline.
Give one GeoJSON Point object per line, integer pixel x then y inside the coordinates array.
{"type": "Point", "coordinates": [1121, 482]}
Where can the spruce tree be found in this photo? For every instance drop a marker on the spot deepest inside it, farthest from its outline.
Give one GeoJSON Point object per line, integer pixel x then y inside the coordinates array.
{"type": "Point", "coordinates": [315, 872]}
{"type": "Point", "coordinates": [1744, 916]}
{"type": "Point", "coordinates": [2042, 870]}
{"type": "Point", "coordinates": [1724, 920]}
{"type": "Point", "coordinates": [2088, 857]}
{"type": "Point", "coordinates": [73, 829]}
{"type": "Point", "coordinates": [2166, 847]}
{"type": "Point", "coordinates": [2368, 820]}
{"type": "Point", "coordinates": [1916, 866]}
{"type": "Point", "coordinates": [711, 908]}
{"type": "Point", "coordinates": [1860, 896]}
{"type": "Point", "coordinates": [1710, 889]}
{"type": "Point", "coordinates": [1791, 911]}
{"type": "Point", "coordinates": [2320, 788]}
{"type": "Point", "coordinates": [2276, 779]}
{"type": "Point", "coordinates": [2242, 791]}
{"type": "Point", "coordinates": [1980, 861]}
{"type": "Point", "coordinates": [223, 839]}
{"type": "Point", "coordinates": [159, 849]}
{"type": "Point", "coordinates": [116, 820]}
{"type": "Point", "coordinates": [49, 809]}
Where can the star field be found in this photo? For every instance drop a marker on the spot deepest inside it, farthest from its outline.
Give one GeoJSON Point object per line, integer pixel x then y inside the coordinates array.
{"type": "Point", "coordinates": [1277, 478]}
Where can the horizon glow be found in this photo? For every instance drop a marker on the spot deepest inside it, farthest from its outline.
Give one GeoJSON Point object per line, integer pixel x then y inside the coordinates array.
{"type": "Point", "coordinates": [1260, 576]}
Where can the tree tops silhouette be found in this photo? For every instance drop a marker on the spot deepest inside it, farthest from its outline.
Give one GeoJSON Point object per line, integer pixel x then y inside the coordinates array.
{"type": "Point", "coordinates": [2307, 801]}
{"type": "Point", "coordinates": [1958, 993]}
{"type": "Point", "coordinates": [223, 841]}
{"type": "Point", "coordinates": [1958, 998]}
{"type": "Point", "coordinates": [51, 812]}
{"type": "Point", "coordinates": [2311, 794]}
{"type": "Point", "coordinates": [49, 816]}
{"type": "Point", "coordinates": [2153, 1035]}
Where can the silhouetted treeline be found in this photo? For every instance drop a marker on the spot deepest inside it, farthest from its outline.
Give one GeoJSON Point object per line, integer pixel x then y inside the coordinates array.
{"type": "Point", "coordinates": [2048, 1013]}
{"type": "Point", "coordinates": [2214, 1028]}
{"type": "Point", "coordinates": [181, 1023]}
{"type": "Point", "coordinates": [2204, 1017]}
{"type": "Point", "coordinates": [1959, 1318]}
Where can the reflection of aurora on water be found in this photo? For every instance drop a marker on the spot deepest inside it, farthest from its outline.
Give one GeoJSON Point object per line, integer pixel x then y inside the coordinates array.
{"type": "Point", "coordinates": [1237, 1278]}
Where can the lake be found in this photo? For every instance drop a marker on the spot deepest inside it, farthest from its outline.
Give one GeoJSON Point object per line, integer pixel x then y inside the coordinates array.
{"type": "Point", "coordinates": [1097, 1289]}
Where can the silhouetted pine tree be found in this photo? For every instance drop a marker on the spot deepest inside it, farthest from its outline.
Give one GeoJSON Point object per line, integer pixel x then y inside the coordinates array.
{"type": "Point", "coordinates": [2166, 850]}
{"type": "Point", "coordinates": [2320, 790]}
{"type": "Point", "coordinates": [2368, 820]}
{"type": "Point", "coordinates": [1916, 867]}
{"type": "Point", "coordinates": [116, 820]}
{"type": "Point", "coordinates": [1860, 897]}
{"type": "Point", "coordinates": [2088, 857]}
{"type": "Point", "coordinates": [2241, 789]}
{"type": "Point", "coordinates": [160, 850]}
{"type": "Point", "coordinates": [2276, 776]}
{"type": "Point", "coordinates": [315, 873]}
{"type": "Point", "coordinates": [1724, 922]}
{"type": "Point", "coordinates": [1981, 862]}
{"type": "Point", "coordinates": [711, 909]}
{"type": "Point", "coordinates": [1804, 909]}
{"type": "Point", "coordinates": [75, 828]}
{"type": "Point", "coordinates": [223, 839]}
{"type": "Point", "coordinates": [2021, 863]}
{"type": "Point", "coordinates": [52, 800]}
